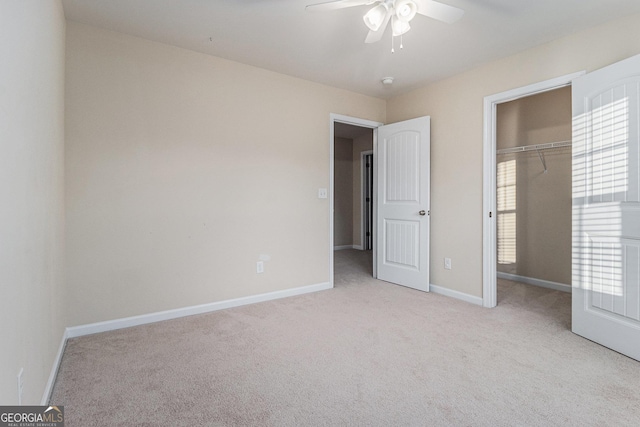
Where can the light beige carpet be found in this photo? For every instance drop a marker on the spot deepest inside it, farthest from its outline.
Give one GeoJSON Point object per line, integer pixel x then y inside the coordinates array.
{"type": "Point", "coordinates": [366, 353]}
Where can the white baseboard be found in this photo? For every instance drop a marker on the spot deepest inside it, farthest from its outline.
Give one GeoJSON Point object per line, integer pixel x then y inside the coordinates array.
{"type": "Point", "coordinates": [111, 325]}
{"type": "Point", "coordinates": [54, 371]}
{"type": "Point", "coordinates": [455, 294]}
{"type": "Point", "coordinates": [343, 247]}
{"type": "Point", "coordinates": [536, 282]}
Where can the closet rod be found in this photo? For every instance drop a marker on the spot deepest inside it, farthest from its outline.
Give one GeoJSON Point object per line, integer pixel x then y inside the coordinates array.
{"type": "Point", "coordinates": [535, 147]}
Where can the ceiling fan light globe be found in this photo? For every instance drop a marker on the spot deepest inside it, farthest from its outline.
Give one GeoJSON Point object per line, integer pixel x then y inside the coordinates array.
{"type": "Point", "coordinates": [373, 19]}
{"type": "Point", "coordinates": [399, 27]}
{"type": "Point", "coordinates": [406, 10]}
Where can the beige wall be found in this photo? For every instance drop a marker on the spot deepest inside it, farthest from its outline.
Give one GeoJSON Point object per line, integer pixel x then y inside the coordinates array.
{"type": "Point", "coordinates": [343, 193]}
{"type": "Point", "coordinates": [182, 169]}
{"type": "Point", "coordinates": [456, 109]}
{"type": "Point", "coordinates": [31, 194]}
{"type": "Point", "coordinates": [543, 200]}
{"type": "Point", "coordinates": [360, 143]}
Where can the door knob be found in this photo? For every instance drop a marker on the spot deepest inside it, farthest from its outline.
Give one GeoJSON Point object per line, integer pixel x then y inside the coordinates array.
{"type": "Point", "coordinates": [423, 213]}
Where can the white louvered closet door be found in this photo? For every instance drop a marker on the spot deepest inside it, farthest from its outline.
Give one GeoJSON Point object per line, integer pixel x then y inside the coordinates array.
{"type": "Point", "coordinates": [403, 203]}
{"type": "Point", "coordinates": [606, 207]}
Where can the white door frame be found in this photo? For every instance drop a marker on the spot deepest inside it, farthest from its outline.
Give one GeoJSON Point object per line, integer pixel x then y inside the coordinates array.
{"type": "Point", "coordinates": [356, 122]}
{"type": "Point", "coordinates": [363, 183]}
{"type": "Point", "coordinates": [489, 245]}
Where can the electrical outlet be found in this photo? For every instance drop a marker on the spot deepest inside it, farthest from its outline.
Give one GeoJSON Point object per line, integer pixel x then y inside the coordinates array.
{"type": "Point", "coordinates": [20, 385]}
{"type": "Point", "coordinates": [322, 193]}
{"type": "Point", "coordinates": [447, 263]}
{"type": "Point", "coordinates": [260, 267]}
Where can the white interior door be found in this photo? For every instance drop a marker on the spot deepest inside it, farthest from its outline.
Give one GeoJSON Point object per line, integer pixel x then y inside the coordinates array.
{"type": "Point", "coordinates": [402, 237]}
{"type": "Point", "coordinates": [606, 207]}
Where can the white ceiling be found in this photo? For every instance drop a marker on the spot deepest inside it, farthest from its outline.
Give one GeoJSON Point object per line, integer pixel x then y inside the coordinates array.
{"type": "Point", "coordinates": [328, 47]}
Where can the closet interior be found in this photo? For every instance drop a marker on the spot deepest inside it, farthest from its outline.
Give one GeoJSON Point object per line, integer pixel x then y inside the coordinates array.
{"type": "Point", "coordinates": [534, 189]}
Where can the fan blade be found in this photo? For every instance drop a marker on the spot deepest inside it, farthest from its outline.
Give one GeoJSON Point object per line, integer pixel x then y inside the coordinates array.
{"type": "Point", "coordinates": [337, 4]}
{"type": "Point", "coordinates": [375, 36]}
{"type": "Point", "coordinates": [440, 11]}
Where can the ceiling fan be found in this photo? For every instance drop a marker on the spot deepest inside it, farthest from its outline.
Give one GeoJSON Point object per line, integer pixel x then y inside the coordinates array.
{"type": "Point", "coordinates": [399, 12]}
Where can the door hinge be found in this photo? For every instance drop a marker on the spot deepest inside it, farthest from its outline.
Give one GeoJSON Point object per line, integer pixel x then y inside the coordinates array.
{"type": "Point", "coordinates": [490, 214]}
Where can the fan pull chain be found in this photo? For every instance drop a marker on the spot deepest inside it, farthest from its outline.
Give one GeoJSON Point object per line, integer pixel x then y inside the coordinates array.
{"type": "Point", "coordinates": [392, 49]}
{"type": "Point", "coordinates": [392, 43]}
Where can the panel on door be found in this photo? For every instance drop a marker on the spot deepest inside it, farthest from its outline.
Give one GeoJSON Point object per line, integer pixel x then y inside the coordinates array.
{"type": "Point", "coordinates": [606, 207]}
{"type": "Point", "coordinates": [403, 203]}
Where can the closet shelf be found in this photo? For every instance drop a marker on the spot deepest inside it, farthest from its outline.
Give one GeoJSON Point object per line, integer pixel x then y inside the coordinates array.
{"type": "Point", "coordinates": [538, 148]}
{"type": "Point", "coordinates": [535, 147]}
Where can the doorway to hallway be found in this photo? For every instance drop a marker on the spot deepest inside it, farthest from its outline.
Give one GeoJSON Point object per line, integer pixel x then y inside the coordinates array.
{"type": "Point", "coordinates": [353, 194]}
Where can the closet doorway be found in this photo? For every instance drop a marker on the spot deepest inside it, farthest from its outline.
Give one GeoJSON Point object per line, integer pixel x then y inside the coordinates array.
{"type": "Point", "coordinates": [533, 190]}
{"type": "Point", "coordinates": [490, 169]}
